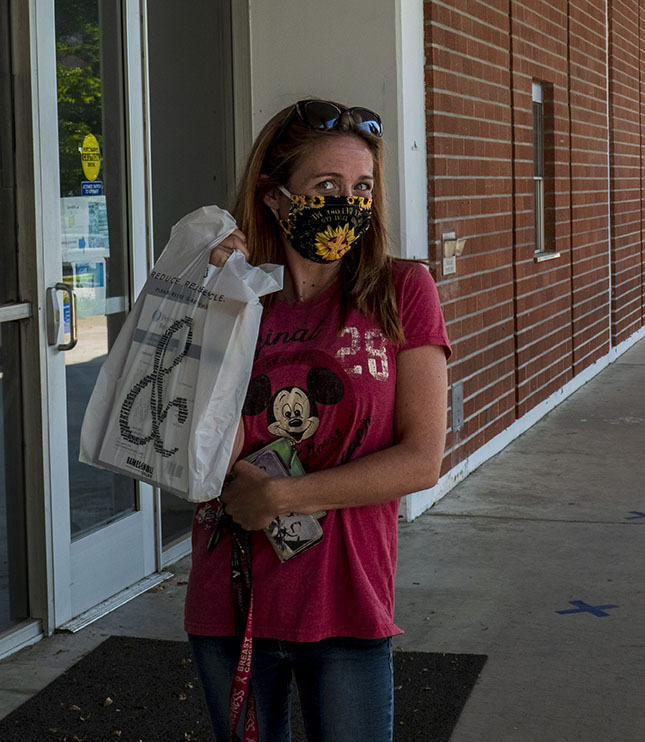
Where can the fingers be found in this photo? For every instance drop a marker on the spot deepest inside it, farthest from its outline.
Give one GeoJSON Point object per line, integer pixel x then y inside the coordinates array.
{"type": "Point", "coordinates": [237, 241]}
{"type": "Point", "coordinates": [245, 499]}
{"type": "Point", "coordinates": [246, 467]}
{"type": "Point", "coordinates": [221, 253]}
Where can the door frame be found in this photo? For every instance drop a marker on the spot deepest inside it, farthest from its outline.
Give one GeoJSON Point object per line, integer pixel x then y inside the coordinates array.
{"type": "Point", "coordinates": [32, 334]}
{"type": "Point", "coordinates": [33, 42]}
{"type": "Point", "coordinates": [14, 312]}
{"type": "Point", "coordinates": [62, 556]}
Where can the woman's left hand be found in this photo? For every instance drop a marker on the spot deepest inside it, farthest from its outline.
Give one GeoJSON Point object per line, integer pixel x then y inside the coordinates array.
{"type": "Point", "coordinates": [247, 497]}
{"type": "Point", "coordinates": [235, 241]}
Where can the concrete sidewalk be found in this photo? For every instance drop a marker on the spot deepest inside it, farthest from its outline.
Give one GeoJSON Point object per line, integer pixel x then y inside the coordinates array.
{"type": "Point", "coordinates": [556, 517]}
{"type": "Point", "coordinates": [556, 522]}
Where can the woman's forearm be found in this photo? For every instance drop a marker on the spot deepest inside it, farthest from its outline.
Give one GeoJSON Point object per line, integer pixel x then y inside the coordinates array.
{"type": "Point", "coordinates": [375, 478]}
{"type": "Point", "coordinates": [413, 463]}
{"type": "Point", "coordinates": [253, 499]}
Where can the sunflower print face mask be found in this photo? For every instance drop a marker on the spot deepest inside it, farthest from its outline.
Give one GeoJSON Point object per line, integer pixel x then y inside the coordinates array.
{"type": "Point", "coordinates": [324, 228]}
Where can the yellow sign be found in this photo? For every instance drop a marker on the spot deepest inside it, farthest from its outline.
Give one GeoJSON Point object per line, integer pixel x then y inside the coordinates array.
{"type": "Point", "coordinates": [91, 157]}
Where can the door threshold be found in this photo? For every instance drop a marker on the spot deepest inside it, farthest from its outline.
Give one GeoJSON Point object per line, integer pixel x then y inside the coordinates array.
{"type": "Point", "coordinates": [116, 601]}
{"type": "Point", "coordinates": [19, 637]}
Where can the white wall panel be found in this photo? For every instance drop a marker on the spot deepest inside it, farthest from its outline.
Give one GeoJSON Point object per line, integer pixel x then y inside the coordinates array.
{"type": "Point", "coordinates": [357, 53]}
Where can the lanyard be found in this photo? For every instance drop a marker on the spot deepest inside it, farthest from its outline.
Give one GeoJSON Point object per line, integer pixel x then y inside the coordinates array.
{"type": "Point", "coordinates": [243, 605]}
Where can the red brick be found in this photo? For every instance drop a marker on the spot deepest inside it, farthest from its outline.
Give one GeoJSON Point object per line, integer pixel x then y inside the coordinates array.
{"type": "Point", "coordinates": [522, 329]}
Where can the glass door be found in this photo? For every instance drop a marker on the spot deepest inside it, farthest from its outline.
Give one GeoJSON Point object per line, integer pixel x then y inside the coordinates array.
{"type": "Point", "coordinates": [94, 241]}
{"type": "Point", "coordinates": [95, 258]}
{"type": "Point", "coordinates": [14, 606]}
{"type": "Point", "coordinates": [191, 102]}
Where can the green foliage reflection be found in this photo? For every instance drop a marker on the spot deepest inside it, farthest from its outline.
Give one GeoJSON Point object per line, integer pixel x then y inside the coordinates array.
{"type": "Point", "coordinates": [78, 71]}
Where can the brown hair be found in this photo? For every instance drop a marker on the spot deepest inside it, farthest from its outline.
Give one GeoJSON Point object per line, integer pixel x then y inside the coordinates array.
{"type": "Point", "coordinates": [366, 273]}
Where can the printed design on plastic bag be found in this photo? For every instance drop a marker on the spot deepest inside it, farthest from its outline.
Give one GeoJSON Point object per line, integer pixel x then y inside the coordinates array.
{"type": "Point", "coordinates": [155, 379]}
{"type": "Point", "coordinates": [148, 414]}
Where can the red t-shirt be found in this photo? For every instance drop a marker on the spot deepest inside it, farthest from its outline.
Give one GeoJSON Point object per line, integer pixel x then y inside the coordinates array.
{"type": "Point", "coordinates": [332, 393]}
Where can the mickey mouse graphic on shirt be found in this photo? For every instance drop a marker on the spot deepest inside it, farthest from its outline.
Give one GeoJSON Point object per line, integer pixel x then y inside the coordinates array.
{"type": "Point", "coordinates": [314, 399]}
{"type": "Point", "coordinates": [292, 412]}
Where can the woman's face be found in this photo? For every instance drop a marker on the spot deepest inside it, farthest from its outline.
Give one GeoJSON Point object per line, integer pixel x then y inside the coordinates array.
{"type": "Point", "coordinates": [336, 166]}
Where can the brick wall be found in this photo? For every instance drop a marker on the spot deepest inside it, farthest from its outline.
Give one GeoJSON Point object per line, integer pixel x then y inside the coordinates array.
{"type": "Point", "coordinates": [543, 343]}
{"type": "Point", "coordinates": [589, 182]}
{"type": "Point", "coordinates": [625, 104]}
{"type": "Point", "coordinates": [642, 114]}
{"type": "Point", "coordinates": [520, 328]}
{"type": "Point", "coordinates": [471, 193]}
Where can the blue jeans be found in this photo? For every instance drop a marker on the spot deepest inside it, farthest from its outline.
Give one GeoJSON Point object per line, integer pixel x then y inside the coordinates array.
{"type": "Point", "coordinates": [345, 686]}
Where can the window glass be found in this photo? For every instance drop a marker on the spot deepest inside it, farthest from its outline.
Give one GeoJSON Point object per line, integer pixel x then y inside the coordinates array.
{"type": "Point", "coordinates": [13, 561]}
{"type": "Point", "coordinates": [185, 173]}
{"type": "Point", "coordinates": [95, 257]}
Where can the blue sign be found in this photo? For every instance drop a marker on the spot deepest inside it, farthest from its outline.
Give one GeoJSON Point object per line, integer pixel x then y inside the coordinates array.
{"type": "Point", "coordinates": [91, 188]}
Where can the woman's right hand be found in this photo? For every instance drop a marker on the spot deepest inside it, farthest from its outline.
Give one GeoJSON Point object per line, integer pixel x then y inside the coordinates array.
{"type": "Point", "coordinates": [235, 241]}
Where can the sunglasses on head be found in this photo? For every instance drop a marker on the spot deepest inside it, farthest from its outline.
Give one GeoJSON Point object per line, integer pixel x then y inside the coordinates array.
{"type": "Point", "coordinates": [323, 115]}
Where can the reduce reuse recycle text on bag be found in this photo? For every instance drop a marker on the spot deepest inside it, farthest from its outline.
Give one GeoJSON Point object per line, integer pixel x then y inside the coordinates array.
{"type": "Point", "coordinates": [168, 399]}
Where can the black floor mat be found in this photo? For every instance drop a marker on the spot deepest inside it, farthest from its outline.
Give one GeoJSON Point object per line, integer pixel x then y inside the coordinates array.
{"type": "Point", "coordinates": [144, 690]}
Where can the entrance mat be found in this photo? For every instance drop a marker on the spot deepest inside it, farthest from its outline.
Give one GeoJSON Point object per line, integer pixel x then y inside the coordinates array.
{"type": "Point", "coordinates": [144, 690]}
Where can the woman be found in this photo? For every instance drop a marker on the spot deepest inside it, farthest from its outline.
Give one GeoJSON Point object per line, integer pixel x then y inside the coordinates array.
{"type": "Point", "coordinates": [350, 369]}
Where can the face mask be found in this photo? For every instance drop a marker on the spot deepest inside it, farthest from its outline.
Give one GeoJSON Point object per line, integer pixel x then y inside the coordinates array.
{"type": "Point", "coordinates": [324, 228]}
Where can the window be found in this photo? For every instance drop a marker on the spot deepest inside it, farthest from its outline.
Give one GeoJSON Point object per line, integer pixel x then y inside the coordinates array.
{"type": "Point", "coordinates": [543, 170]}
{"type": "Point", "coordinates": [538, 164]}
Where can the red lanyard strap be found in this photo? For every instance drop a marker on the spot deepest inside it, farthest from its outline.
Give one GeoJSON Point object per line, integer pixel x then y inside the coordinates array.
{"type": "Point", "coordinates": [241, 687]}
{"type": "Point", "coordinates": [243, 606]}
{"type": "Point", "coordinates": [240, 574]}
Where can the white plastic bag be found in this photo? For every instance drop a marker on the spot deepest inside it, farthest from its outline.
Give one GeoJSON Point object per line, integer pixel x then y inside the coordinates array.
{"type": "Point", "coordinates": [168, 399]}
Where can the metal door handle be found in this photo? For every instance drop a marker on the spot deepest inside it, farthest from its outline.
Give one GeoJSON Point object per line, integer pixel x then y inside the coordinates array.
{"type": "Point", "coordinates": [53, 319]}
